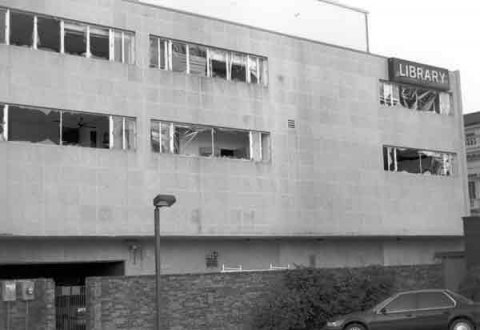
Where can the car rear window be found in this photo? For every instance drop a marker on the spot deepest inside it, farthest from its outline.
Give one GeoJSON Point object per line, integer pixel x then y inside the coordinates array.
{"type": "Point", "coordinates": [433, 300]}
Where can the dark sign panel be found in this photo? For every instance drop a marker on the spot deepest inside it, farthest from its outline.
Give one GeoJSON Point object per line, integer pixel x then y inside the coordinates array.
{"type": "Point", "coordinates": [418, 74]}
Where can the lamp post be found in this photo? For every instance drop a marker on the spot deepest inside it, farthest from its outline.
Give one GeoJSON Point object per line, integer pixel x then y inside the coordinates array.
{"type": "Point", "coordinates": [159, 201]}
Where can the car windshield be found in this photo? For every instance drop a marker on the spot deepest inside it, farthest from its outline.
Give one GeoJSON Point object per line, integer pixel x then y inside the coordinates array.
{"type": "Point", "coordinates": [381, 304]}
{"type": "Point", "coordinates": [460, 298]}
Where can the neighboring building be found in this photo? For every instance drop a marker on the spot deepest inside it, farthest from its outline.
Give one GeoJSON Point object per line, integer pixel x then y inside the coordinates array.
{"type": "Point", "coordinates": [472, 145]}
{"type": "Point", "coordinates": [279, 150]}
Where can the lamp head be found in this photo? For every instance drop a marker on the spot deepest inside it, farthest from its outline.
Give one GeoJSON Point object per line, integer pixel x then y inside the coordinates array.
{"type": "Point", "coordinates": [164, 200]}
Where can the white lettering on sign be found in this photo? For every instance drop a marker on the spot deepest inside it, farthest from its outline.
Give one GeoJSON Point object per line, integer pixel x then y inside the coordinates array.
{"type": "Point", "coordinates": [417, 72]}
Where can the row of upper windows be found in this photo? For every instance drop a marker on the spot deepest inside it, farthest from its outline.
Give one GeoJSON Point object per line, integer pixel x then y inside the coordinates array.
{"type": "Point", "coordinates": [94, 41]}
{"type": "Point", "coordinates": [196, 59]}
{"type": "Point", "coordinates": [94, 130]}
{"type": "Point", "coordinates": [65, 36]}
{"type": "Point", "coordinates": [63, 127]}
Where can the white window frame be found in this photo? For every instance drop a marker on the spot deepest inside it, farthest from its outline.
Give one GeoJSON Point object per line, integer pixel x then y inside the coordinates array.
{"type": "Point", "coordinates": [7, 27]}
{"type": "Point", "coordinates": [5, 122]}
{"type": "Point", "coordinates": [35, 32]}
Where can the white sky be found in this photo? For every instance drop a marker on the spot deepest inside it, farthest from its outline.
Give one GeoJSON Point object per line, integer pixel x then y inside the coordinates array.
{"type": "Point", "coordinates": [436, 32]}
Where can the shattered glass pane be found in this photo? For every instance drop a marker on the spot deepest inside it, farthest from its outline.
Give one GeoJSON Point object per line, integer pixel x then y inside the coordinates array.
{"type": "Point", "coordinates": [232, 143]}
{"type": "Point", "coordinates": [193, 140]}
{"type": "Point", "coordinates": [198, 60]}
{"type": "Point", "coordinates": [427, 100]}
{"type": "Point", "coordinates": [154, 52]}
{"type": "Point", "coordinates": [388, 94]}
{"type": "Point", "coordinates": [75, 39]}
{"type": "Point", "coordinates": [33, 125]}
{"type": "Point", "coordinates": [48, 34]}
{"type": "Point", "coordinates": [99, 43]}
{"type": "Point", "coordinates": [155, 136]}
{"type": "Point", "coordinates": [408, 97]}
{"type": "Point", "coordinates": [238, 63]}
{"type": "Point", "coordinates": [218, 63]}
{"type": "Point", "coordinates": [165, 137]}
{"type": "Point", "coordinates": [253, 68]}
{"type": "Point", "coordinates": [444, 103]}
{"type": "Point", "coordinates": [408, 160]}
{"type": "Point", "coordinates": [179, 57]}
{"type": "Point", "coordinates": [130, 134]}
{"type": "Point", "coordinates": [21, 29]}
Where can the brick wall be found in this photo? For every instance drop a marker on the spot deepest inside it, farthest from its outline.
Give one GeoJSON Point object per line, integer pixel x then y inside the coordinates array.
{"type": "Point", "coordinates": [35, 314]}
{"type": "Point", "coordinates": [204, 301]}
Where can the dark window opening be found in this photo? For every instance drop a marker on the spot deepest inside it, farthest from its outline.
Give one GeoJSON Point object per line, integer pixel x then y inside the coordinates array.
{"type": "Point", "coordinates": [179, 57]}
{"type": "Point", "coordinates": [85, 130]}
{"type": "Point", "coordinates": [2, 124]}
{"type": "Point", "coordinates": [75, 39]}
{"type": "Point", "coordinates": [99, 43]}
{"type": "Point", "coordinates": [154, 52]}
{"type": "Point", "coordinates": [3, 14]}
{"type": "Point", "coordinates": [33, 125]}
{"type": "Point", "coordinates": [198, 60]}
{"type": "Point", "coordinates": [238, 67]}
{"type": "Point", "coordinates": [48, 34]}
{"type": "Point", "coordinates": [232, 143]}
{"type": "Point", "coordinates": [21, 29]}
{"type": "Point", "coordinates": [408, 160]}
{"type": "Point", "coordinates": [472, 193]}
{"type": "Point", "coordinates": [218, 62]}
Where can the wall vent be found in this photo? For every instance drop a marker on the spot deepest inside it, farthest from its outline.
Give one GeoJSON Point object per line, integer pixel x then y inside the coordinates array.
{"type": "Point", "coordinates": [291, 123]}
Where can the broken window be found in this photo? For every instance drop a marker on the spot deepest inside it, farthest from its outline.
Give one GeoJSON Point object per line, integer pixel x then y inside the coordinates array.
{"type": "Point", "coordinates": [253, 68]}
{"type": "Point", "coordinates": [388, 94]}
{"type": "Point", "coordinates": [85, 130]}
{"type": "Point", "coordinates": [197, 60]}
{"type": "Point", "coordinates": [231, 143]}
{"type": "Point", "coordinates": [3, 111]}
{"type": "Point", "coordinates": [3, 20]}
{"type": "Point", "coordinates": [263, 71]}
{"type": "Point", "coordinates": [472, 193]}
{"type": "Point", "coordinates": [75, 39]}
{"type": "Point", "coordinates": [157, 53]}
{"type": "Point", "coordinates": [444, 103]}
{"type": "Point", "coordinates": [238, 64]}
{"type": "Point", "coordinates": [154, 52]}
{"type": "Point", "coordinates": [99, 43]}
{"type": "Point", "coordinates": [179, 57]}
{"type": "Point", "coordinates": [417, 161]}
{"type": "Point", "coordinates": [33, 125]}
{"type": "Point", "coordinates": [193, 140]}
{"type": "Point", "coordinates": [218, 63]}
{"type": "Point", "coordinates": [197, 140]}
{"type": "Point", "coordinates": [21, 29]}
{"type": "Point", "coordinates": [414, 98]}
{"type": "Point", "coordinates": [48, 34]}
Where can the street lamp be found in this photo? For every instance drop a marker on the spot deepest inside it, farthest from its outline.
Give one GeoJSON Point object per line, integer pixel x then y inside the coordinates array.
{"type": "Point", "coordinates": [159, 201]}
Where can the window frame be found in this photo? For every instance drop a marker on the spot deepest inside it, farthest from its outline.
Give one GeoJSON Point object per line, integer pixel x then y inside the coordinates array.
{"type": "Point", "coordinates": [261, 61]}
{"type": "Point", "coordinates": [156, 125]}
{"type": "Point", "coordinates": [451, 160]}
{"type": "Point", "coordinates": [397, 102]}
{"type": "Point", "coordinates": [5, 120]}
{"type": "Point", "coordinates": [88, 26]}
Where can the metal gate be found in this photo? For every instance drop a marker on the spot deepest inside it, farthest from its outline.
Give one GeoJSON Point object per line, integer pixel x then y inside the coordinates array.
{"type": "Point", "coordinates": [70, 307]}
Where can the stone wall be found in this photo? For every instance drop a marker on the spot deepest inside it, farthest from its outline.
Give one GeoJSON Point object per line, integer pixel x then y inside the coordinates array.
{"type": "Point", "coordinates": [205, 301]}
{"type": "Point", "coordinates": [35, 314]}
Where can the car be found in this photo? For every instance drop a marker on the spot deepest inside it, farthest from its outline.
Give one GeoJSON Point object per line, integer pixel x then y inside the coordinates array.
{"type": "Point", "coordinates": [433, 309]}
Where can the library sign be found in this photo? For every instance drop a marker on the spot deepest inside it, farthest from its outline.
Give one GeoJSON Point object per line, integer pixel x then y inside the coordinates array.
{"type": "Point", "coordinates": [418, 74]}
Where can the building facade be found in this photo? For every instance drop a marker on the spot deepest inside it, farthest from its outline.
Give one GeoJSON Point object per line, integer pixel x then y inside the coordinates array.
{"type": "Point", "coordinates": [472, 145]}
{"type": "Point", "coordinates": [280, 150]}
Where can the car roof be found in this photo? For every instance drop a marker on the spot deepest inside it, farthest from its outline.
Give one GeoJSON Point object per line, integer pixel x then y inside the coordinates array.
{"type": "Point", "coordinates": [422, 290]}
